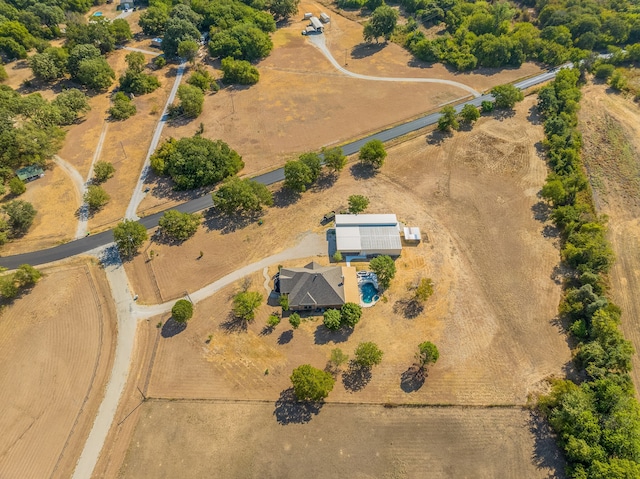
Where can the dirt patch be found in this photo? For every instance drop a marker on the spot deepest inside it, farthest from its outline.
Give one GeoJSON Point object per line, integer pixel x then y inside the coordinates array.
{"type": "Point", "coordinates": [54, 363]}
{"type": "Point", "coordinates": [610, 126]}
{"type": "Point", "coordinates": [400, 443]}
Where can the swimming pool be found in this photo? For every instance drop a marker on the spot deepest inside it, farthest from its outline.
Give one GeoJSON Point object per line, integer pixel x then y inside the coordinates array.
{"type": "Point", "coordinates": [369, 293]}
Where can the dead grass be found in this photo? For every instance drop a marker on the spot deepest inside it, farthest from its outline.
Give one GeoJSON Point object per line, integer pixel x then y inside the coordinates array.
{"type": "Point", "coordinates": [246, 440]}
{"type": "Point", "coordinates": [610, 125]}
{"type": "Point", "coordinates": [57, 346]}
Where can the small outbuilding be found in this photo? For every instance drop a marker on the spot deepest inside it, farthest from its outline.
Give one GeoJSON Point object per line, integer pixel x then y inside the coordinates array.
{"type": "Point", "coordinates": [30, 173]}
{"type": "Point", "coordinates": [325, 18]}
{"type": "Point", "coordinates": [156, 42]}
{"type": "Point", "coordinates": [412, 234]}
{"type": "Point", "coordinates": [316, 24]}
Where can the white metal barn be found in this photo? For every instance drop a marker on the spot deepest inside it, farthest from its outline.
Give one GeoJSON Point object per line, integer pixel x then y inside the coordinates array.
{"type": "Point", "coordinates": [368, 235]}
{"type": "Point", "coordinates": [316, 24]}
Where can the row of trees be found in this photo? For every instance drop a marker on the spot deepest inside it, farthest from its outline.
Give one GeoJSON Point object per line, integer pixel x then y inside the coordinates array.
{"type": "Point", "coordinates": [505, 96]}
{"type": "Point", "coordinates": [347, 317]}
{"type": "Point", "coordinates": [313, 384]}
{"type": "Point", "coordinates": [493, 35]}
{"type": "Point", "coordinates": [597, 421]}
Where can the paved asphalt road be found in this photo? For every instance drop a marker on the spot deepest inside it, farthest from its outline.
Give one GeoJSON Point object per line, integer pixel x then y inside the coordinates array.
{"type": "Point", "coordinates": [94, 241]}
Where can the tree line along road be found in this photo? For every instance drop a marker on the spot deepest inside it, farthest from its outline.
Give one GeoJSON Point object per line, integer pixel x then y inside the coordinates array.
{"type": "Point", "coordinates": [91, 242]}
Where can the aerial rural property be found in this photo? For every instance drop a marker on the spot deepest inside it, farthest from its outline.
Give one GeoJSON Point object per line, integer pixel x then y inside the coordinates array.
{"type": "Point", "coordinates": [324, 239]}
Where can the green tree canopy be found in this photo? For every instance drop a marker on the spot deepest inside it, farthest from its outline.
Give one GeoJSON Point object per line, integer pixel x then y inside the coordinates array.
{"type": "Point", "coordinates": [20, 216]}
{"type": "Point", "coordinates": [179, 226]}
{"type": "Point", "coordinates": [245, 304]}
{"type": "Point", "coordinates": [241, 196]}
{"type": "Point", "coordinates": [178, 30]}
{"type": "Point", "coordinates": [350, 314]}
{"type": "Point", "coordinates": [182, 311]}
{"type": "Point", "coordinates": [202, 79]}
{"type": "Point", "coordinates": [122, 107]}
{"type": "Point", "coordinates": [448, 120]}
{"type": "Point", "coordinates": [469, 114]}
{"type": "Point", "coordinates": [17, 186]}
{"type": "Point", "coordinates": [331, 319]}
{"type": "Point", "coordinates": [506, 96]}
{"type": "Point", "coordinates": [188, 49]}
{"type": "Point", "coordinates": [311, 384]}
{"type": "Point", "coordinates": [334, 159]}
{"type": "Point", "coordinates": [297, 176]}
{"type": "Point", "coordinates": [314, 162]}
{"type": "Point", "coordinates": [424, 290]}
{"type": "Point", "coordinates": [283, 9]}
{"type": "Point", "coordinates": [129, 236]}
{"type": "Point", "coordinates": [154, 19]}
{"type": "Point", "coordinates": [78, 54]}
{"type": "Point", "coordinates": [239, 71]}
{"type": "Point", "coordinates": [373, 153]}
{"type": "Point", "coordinates": [102, 171]}
{"type": "Point", "coordinates": [242, 42]}
{"type": "Point", "coordinates": [95, 197]}
{"type": "Point", "coordinates": [294, 320]}
{"type": "Point", "coordinates": [191, 100]}
{"type": "Point", "coordinates": [368, 354]}
{"type": "Point", "coordinates": [49, 65]}
{"type": "Point", "coordinates": [120, 30]}
{"type": "Point", "coordinates": [385, 269]}
{"type": "Point", "coordinates": [71, 104]}
{"type": "Point", "coordinates": [95, 73]}
{"type": "Point", "coordinates": [194, 162]}
{"type": "Point", "coordinates": [358, 203]}
{"type": "Point", "coordinates": [427, 354]}
{"type": "Point", "coordinates": [382, 24]}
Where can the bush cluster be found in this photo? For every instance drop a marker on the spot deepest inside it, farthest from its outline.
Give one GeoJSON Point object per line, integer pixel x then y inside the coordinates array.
{"type": "Point", "coordinates": [597, 421]}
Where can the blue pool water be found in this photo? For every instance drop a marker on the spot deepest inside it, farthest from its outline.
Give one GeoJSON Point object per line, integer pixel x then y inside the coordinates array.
{"type": "Point", "coordinates": [368, 291]}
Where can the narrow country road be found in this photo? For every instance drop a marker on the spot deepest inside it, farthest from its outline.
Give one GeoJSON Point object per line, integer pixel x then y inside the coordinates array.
{"type": "Point", "coordinates": [129, 313]}
{"type": "Point", "coordinates": [318, 41]}
{"type": "Point", "coordinates": [141, 50]}
{"type": "Point", "coordinates": [88, 243]}
{"type": "Point", "coordinates": [138, 193]}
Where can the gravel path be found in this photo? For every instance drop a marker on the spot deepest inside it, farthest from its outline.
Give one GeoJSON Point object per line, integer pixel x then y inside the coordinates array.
{"type": "Point", "coordinates": [318, 41]}
{"type": "Point", "coordinates": [129, 313]}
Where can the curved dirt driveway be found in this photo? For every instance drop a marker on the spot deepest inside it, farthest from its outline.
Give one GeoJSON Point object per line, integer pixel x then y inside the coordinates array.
{"type": "Point", "coordinates": [318, 41]}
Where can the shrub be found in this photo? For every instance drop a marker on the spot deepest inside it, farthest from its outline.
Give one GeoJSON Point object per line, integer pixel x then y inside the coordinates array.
{"type": "Point", "coordinates": [368, 354]}
{"type": "Point", "coordinates": [294, 320]}
{"type": "Point", "coordinates": [17, 186]}
{"type": "Point", "coordinates": [273, 320]}
{"type": "Point", "coordinates": [159, 61]}
{"type": "Point", "coordinates": [96, 197]}
{"type": "Point", "coordinates": [122, 107]}
{"type": "Point", "coordinates": [239, 71]}
{"type": "Point", "coordinates": [331, 319]}
{"type": "Point", "coordinates": [102, 171]}
{"type": "Point", "coordinates": [350, 314]}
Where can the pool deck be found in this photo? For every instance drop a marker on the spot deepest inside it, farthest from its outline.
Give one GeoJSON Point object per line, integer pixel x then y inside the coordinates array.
{"type": "Point", "coordinates": [351, 290]}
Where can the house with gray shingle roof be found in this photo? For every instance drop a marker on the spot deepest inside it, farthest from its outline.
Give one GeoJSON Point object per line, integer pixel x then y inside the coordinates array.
{"type": "Point", "coordinates": [319, 287]}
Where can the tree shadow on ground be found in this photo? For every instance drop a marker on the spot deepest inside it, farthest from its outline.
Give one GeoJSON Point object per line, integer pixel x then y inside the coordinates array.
{"type": "Point", "coordinates": [504, 114]}
{"type": "Point", "coordinates": [110, 256]}
{"type": "Point", "coordinates": [324, 335]}
{"type": "Point", "coordinates": [285, 337]}
{"type": "Point", "coordinates": [164, 187]}
{"type": "Point", "coordinates": [234, 324]}
{"type": "Point", "coordinates": [546, 453]}
{"type": "Point", "coordinates": [437, 137]}
{"type": "Point", "coordinates": [215, 220]}
{"type": "Point", "coordinates": [409, 308]}
{"type": "Point", "coordinates": [413, 378]}
{"type": "Point", "coordinates": [172, 328]}
{"type": "Point", "coordinates": [541, 211]}
{"type": "Point", "coordinates": [534, 116]}
{"type": "Point", "coordinates": [364, 50]}
{"type": "Point", "coordinates": [356, 377]}
{"type": "Point", "coordinates": [550, 231]}
{"type": "Point", "coordinates": [291, 411]}
{"type": "Point", "coordinates": [362, 171]}
{"type": "Point", "coordinates": [324, 182]}
{"type": "Point", "coordinates": [267, 330]}
{"type": "Point", "coordinates": [285, 197]}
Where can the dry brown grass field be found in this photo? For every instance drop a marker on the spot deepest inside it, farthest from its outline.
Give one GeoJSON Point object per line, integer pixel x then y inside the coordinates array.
{"type": "Point", "coordinates": [213, 439]}
{"type": "Point", "coordinates": [610, 125]}
{"type": "Point", "coordinates": [57, 347]}
{"type": "Point", "coordinates": [491, 257]}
